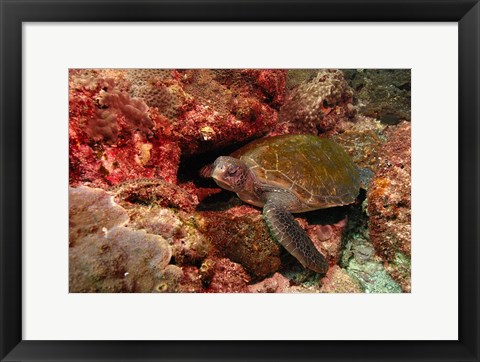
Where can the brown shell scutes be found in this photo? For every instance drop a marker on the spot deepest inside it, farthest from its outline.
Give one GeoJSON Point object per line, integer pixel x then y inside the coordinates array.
{"type": "Point", "coordinates": [317, 170]}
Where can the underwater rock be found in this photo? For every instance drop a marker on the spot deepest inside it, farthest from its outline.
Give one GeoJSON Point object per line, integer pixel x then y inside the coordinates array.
{"type": "Point", "coordinates": [170, 280]}
{"type": "Point", "coordinates": [159, 88]}
{"type": "Point", "coordinates": [191, 281]}
{"type": "Point", "coordinates": [277, 283]}
{"type": "Point", "coordinates": [327, 238]}
{"type": "Point", "coordinates": [295, 77]}
{"type": "Point", "coordinates": [241, 235]}
{"type": "Point", "coordinates": [373, 277]}
{"type": "Point", "coordinates": [180, 229]}
{"type": "Point", "coordinates": [363, 140]}
{"type": "Point", "coordinates": [154, 191]}
{"type": "Point", "coordinates": [400, 271]}
{"type": "Point", "coordinates": [338, 280]}
{"type": "Point", "coordinates": [104, 255]}
{"type": "Point", "coordinates": [316, 106]}
{"type": "Point", "coordinates": [228, 277]}
{"type": "Point", "coordinates": [382, 93]}
{"type": "Point", "coordinates": [271, 82]}
{"type": "Point", "coordinates": [389, 205]}
{"type": "Point", "coordinates": [91, 212]}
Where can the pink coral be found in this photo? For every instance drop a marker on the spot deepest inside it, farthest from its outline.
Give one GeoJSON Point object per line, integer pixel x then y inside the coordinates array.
{"type": "Point", "coordinates": [114, 137]}
{"type": "Point", "coordinates": [271, 82]}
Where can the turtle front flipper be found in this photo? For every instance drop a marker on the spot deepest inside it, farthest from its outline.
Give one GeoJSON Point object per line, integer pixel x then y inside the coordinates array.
{"type": "Point", "coordinates": [292, 237]}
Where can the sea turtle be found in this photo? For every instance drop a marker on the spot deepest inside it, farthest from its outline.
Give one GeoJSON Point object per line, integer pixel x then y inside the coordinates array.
{"type": "Point", "coordinates": [288, 174]}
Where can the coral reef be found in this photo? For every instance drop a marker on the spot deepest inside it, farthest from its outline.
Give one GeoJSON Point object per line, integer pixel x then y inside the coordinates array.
{"type": "Point", "coordinates": [154, 191]}
{"type": "Point", "coordinates": [318, 105]}
{"type": "Point", "coordinates": [382, 93]}
{"type": "Point", "coordinates": [228, 277]}
{"type": "Point", "coordinates": [373, 277]}
{"type": "Point", "coordinates": [389, 204]}
{"type": "Point", "coordinates": [127, 124]}
{"type": "Point", "coordinates": [114, 137]}
{"type": "Point", "coordinates": [277, 283]}
{"type": "Point", "coordinates": [143, 220]}
{"type": "Point", "coordinates": [295, 77]}
{"type": "Point", "coordinates": [363, 140]}
{"type": "Point", "coordinates": [228, 107]}
{"type": "Point", "coordinates": [327, 238]}
{"type": "Point", "coordinates": [159, 88]}
{"type": "Point", "coordinates": [338, 280]}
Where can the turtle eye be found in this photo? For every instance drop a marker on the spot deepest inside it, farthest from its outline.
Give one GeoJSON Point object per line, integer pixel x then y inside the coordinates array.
{"type": "Point", "coordinates": [232, 170]}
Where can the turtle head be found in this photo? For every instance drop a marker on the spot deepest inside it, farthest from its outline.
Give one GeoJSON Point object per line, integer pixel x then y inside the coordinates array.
{"type": "Point", "coordinates": [230, 173]}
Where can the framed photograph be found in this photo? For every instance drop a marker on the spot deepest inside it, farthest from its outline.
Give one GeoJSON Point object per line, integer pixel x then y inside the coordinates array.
{"type": "Point", "coordinates": [239, 180]}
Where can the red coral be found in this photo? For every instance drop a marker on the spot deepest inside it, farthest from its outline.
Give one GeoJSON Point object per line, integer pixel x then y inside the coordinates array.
{"type": "Point", "coordinates": [114, 137]}
{"type": "Point", "coordinates": [271, 82]}
{"type": "Point", "coordinates": [202, 129]}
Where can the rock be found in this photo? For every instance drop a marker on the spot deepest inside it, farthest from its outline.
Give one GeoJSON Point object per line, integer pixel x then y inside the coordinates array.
{"type": "Point", "coordinates": [338, 280]}
{"type": "Point", "coordinates": [372, 277]}
{"type": "Point", "coordinates": [363, 140]}
{"type": "Point", "coordinates": [228, 277]}
{"type": "Point", "coordinates": [389, 197]}
{"type": "Point", "coordinates": [277, 283]}
{"type": "Point", "coordinates": [154, 191]}
{"type": "Point", "coordinates": [105, 256]}
{"type": "Point", "coordinates": [382, 93]}
{"type": "Point", "coordinates": [316, 106]}
{"type": "Point", "coordinates": [241, 235]}
{"type": "Point", "coordinates": [92, 212]}
{"type": "Point", "coordinates": [295, 77]}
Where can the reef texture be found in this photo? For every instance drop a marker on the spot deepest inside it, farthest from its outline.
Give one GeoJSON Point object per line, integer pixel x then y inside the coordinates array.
{"type": "Point", "coordinates": [241, 235]}
{"type": "Point", "coordinates": [129, 124]}
{"type": "Point", "coordinates": [382, 93]}
{"type": "Point", "coordinates": [389, 204]}
{"type": "Point", "coordinates": [318, 105]}
{"type": "Point", "coordinates": [143, 220]}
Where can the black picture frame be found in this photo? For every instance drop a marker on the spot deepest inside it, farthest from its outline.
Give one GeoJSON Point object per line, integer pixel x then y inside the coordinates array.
{"type": "Point", "coordinates": [13, 13]}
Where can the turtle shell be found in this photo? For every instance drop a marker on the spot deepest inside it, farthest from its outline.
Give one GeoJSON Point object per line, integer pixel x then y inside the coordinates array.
{"type": "Point", "coordinates": [318, 171]}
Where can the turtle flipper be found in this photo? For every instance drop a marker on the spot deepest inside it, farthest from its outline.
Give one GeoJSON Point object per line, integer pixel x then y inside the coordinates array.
{"type": "Point", "coordinates": [292, 237]}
